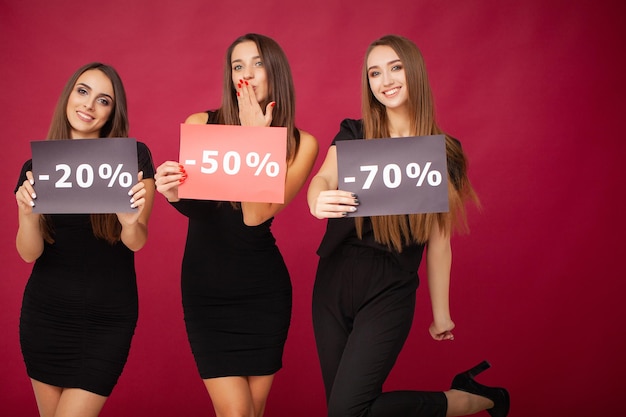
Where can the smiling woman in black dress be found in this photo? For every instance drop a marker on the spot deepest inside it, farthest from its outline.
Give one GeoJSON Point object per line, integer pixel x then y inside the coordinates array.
{"type": "Point", "coordinates": [79, 310]}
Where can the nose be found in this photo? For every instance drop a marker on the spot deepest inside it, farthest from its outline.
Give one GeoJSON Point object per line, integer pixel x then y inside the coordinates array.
{"type": "Point", "coordinates": [387, 78]}
{"type": "Point", "coordinates": [248, 73]}
{"type": "Point", "coordinates": [89, 103]}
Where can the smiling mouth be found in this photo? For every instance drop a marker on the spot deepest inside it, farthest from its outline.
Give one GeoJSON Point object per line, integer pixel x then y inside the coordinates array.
{"type": "Point", "coordinates": [84, 117]}
{"type": "Point", "coordinates": [391, 92]}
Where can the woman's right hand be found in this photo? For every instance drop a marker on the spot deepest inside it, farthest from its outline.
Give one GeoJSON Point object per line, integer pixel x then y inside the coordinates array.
{"type": "Point", "coordinates": [334, 204]}
{"type": "Point", "coordinates": [168, 177]}
{"type": "Point", "coordinates": [26, 195]}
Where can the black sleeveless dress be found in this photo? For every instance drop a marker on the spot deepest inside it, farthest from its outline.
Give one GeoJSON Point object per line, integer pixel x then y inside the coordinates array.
{"type": "Point", "coordinates": [236, 291]}
{"type": "Point", "coordinates": [79, 309]}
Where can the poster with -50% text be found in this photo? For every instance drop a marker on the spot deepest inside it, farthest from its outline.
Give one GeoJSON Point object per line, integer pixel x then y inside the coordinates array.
{"type": "Point", "coordinates": [233, 163]}
{"type": "Point", "coordinates": [395, 175]}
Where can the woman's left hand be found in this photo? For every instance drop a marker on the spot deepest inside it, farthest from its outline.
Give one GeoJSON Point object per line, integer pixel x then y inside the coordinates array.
{"type": "Point", "coordinates": [137, 201]}
{"type": "Point", "coordinates": [250, 112]}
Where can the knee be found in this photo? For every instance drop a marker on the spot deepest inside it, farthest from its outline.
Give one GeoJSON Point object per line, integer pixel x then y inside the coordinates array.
{"type": "Point", "coordinates": [234, 413]}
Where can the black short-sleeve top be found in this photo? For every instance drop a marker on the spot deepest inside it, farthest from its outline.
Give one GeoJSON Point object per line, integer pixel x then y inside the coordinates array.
{"type": "Point", "coordinates": [342, 231]}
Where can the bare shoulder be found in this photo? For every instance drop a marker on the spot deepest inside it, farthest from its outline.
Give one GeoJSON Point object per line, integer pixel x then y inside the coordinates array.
{"type": "Point", "coordinates": [197, 118]}
{"type": "Point", "coordinates": [307, 140]}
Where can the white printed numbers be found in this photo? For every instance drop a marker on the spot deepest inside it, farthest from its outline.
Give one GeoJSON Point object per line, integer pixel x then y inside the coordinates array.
{"type": "Point", "coordinates": [231, 163]}
{"type": "Point", "coordinates": [207, 159]}
{"type": "Point", "coordinates": [62, 182]}
{"type": "Point", "coordinates": [85, 176]}
{"type": "Point", "coordinates": [392, 175]}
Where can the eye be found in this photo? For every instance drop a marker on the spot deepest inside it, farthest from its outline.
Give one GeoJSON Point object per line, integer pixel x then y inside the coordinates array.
{"type": "Point", "coordinates": [81, 91]}
{"type": "Point", "coordinates": [397, 67]}
{"type": "Point", "coordinates": [373, 74]}
{"type": "Point", "coordinates": [104, 101]}
{"type": "Point", "coordinates": [258, 64]}
{"type": "Point", "coordinates": [237, 67]}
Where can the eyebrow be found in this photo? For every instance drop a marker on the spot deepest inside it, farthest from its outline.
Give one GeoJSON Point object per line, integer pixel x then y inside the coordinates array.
{"type": "Point", "coordinates": [241, 60]}
{"type": "Point", "coordinates": [91, 89]}
{"type": "Point", "coordinates": [388, 63]}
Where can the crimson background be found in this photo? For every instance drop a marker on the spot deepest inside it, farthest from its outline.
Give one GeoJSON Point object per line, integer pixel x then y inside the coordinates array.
{"type": "Point", "coordinates": [534, 90]}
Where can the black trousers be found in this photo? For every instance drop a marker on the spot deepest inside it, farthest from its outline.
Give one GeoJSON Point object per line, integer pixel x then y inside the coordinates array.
{"type": "Point", "coordinates": [363, 306]}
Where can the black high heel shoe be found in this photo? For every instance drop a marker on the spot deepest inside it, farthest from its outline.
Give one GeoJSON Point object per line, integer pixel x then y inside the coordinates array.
{"type": "Point", "coordinates": [500, 397]}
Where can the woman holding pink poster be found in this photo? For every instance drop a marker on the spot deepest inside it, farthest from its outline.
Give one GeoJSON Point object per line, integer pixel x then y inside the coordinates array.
{"type": "Point", "coordinates": [236, 289]}
{"type": "Point", "coordinates": [366, 282]}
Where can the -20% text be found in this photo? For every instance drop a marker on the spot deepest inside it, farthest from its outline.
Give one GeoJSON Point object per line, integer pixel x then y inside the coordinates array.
{"type": "Point", "coordinates": [232, 162]}
{"type": "Point", "coordinates": [392, 175]}
{"type": "Point", "coordinates": [85, 176]}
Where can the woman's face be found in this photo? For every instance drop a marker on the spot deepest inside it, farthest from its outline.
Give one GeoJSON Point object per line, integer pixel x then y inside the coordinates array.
{"type": "Point", "coordinates": [387, 78]}
{"type": "Point", "coordinates": [246, 64]}
{"type": "Point", "coordinates": [90, 104]}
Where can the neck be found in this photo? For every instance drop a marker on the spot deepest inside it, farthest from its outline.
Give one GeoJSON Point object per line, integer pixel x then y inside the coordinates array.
{"type": "Point", "coordinates": [399, 123]}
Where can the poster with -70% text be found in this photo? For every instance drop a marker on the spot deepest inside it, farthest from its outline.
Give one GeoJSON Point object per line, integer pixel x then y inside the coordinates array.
{"type": "Point", "coordinates": [395, 175]}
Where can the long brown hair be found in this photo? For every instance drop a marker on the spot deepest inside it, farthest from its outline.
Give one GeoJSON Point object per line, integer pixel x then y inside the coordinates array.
{"type": "Point", "coordinates": [105, 226]}
{"type": "Point", "coordinates": [280, 89]}
{"type": "Point", "coordinates": [396, 231]}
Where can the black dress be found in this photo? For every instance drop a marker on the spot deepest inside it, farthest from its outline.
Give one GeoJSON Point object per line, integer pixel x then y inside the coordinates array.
{"type": "Point", "coordinates": [236, 291]}
{"type": "Point", "coordinates": [79, 309]}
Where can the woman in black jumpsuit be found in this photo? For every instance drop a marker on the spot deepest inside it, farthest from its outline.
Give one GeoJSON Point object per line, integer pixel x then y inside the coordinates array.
{"type": "Point", "coordinates": [364, 293]}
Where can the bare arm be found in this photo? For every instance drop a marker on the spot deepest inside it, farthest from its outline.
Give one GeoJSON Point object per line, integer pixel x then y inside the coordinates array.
{"type": "Point", "coordinates": [29, 239]}
{"type": "Point", "coordinates": [439, 263]}
{"type": "Point", "coordinates": [325, 201]}
{"type": "Point", "coordinates": [298, 171]}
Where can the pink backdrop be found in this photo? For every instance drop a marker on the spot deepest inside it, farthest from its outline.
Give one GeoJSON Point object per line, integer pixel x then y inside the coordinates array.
{"type": "Point", "coordinates": [531, 89]}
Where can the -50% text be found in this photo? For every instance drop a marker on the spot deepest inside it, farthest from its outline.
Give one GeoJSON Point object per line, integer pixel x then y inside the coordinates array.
{"type": "Point", "coordinates": [231, 163]}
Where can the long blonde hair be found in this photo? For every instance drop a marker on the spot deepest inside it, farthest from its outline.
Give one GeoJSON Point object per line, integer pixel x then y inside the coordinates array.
{"type": "Point", "coordinates": [397, 231]}
{"type": "Point", "coordinates": [104, 226]}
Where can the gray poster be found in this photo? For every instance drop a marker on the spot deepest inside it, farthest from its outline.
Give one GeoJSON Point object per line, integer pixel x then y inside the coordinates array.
{"type": "Point", "coordinates": [395, 175]}
{"type": "Point", "coordinates": [84, 175]}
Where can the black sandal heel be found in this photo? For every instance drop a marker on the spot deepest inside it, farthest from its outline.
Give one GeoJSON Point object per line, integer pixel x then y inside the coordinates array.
{"type": "Point", "coordinates": [500, 396]}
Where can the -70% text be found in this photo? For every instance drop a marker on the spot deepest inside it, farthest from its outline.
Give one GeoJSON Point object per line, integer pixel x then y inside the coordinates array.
{"type": "Point", "coordinates": [392, 175]}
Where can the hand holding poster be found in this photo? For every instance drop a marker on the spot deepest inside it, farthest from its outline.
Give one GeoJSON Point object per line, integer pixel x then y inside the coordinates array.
{"type": "Point", "coordinates": [395, 175]}
{"type": "Point", "coordinates": [84, 175]}
{"type": "Point", "coordinates": [233, 163]}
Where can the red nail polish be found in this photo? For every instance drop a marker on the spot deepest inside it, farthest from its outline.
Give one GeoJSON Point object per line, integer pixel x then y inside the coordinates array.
{"type": "Point", "coordinates": [246, 83]}
{"type": "Point", "coordinates": [273, 104]}
{"type": "Point", "coordinates": [238, 93]}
